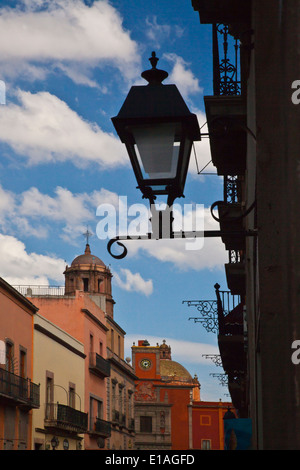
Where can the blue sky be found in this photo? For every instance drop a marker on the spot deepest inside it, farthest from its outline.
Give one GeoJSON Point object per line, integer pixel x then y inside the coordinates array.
{"type": "Point", "coordinates": [68, 66]}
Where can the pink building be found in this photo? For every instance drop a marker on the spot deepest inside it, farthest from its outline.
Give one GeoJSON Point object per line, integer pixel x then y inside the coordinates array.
{"type": "Point", "coordinates": [18, 394]}
{"type": "Point", "coordinates": [81, 313]}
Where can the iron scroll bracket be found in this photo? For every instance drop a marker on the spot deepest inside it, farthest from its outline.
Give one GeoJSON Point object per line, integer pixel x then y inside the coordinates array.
{"type": "Point", "coordinates": [173, 235]}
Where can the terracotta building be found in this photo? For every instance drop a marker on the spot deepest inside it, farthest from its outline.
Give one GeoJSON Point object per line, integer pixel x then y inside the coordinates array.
{"type": "Point", "coordinates": [80, 312]}
{"type": "Point", "coordinates": [84, 309]}
{"type": "Point", "coordinates": [19, 395]}
{"type": "Point", "coordinates": [169, 413]}
{"type": "Point", "coordinates": [208, 424]}
{"type": "Point", "coordinates": [164, 391]}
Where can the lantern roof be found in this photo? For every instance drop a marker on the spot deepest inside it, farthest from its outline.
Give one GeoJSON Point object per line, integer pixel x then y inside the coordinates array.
{"type": "Point", "coordinates": [155, 102]}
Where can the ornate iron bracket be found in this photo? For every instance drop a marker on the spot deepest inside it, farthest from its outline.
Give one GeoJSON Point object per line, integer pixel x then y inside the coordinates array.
{"type": "Point", "coordinates": [216, 359]}
{"type": "Point", "coordinates": [223, 378]}
{"type": "Point", "coordinates": [180, 234]}
{"type": "Point", "coordinates": [209, 314]}
{"type": "Point", "coordinates": [213, 312]}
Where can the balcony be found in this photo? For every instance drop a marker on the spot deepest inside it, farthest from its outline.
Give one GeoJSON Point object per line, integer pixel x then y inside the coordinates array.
{"type": "Point", "coordinates": [231, 341]}
{"type": "Point", "coordinates": [63, 417]}
{"type": "Point", "coordinates": [99, 366]}
{"type": "Point", "coordinates": [101, 428]}
{"type": "Point", "coordinates": [236, 277]}
{"type": "Point", "coordinates": [18, 390]}
{"type": "Point", "coordinates": [222, 11]}
{"type": "Point", "coordinates": [226, 121]}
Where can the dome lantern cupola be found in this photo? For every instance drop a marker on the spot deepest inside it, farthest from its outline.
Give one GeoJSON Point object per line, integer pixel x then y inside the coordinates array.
{"type": "Point", "coordinates": [89, 274]}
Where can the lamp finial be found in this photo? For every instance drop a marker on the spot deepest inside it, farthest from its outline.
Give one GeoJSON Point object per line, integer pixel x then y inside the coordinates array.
{"type": "Point", "coordinates": [154, 76]}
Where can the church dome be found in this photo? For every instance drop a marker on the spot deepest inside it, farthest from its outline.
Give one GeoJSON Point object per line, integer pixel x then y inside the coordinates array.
{"type": "Point", "coordinates": [173, 370]}
{"type": "Point", "coordinates": [87, 258]}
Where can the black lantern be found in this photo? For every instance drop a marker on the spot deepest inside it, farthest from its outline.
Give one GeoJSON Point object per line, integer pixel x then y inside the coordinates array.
{"type": "Point", "coordinates": [158, 130]}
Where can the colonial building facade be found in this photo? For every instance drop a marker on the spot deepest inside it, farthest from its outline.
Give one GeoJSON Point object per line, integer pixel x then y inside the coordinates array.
{"type": "Point", "coordinates": [84, 310]}
{"type": "Point", "coordinates": [169, 413]}
{"type": "Point", "coordinates": [19, 394]}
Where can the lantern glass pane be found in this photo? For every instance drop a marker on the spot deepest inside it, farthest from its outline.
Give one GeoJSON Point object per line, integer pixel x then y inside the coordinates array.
{"type": "Point", "coordinates": [156, 150]}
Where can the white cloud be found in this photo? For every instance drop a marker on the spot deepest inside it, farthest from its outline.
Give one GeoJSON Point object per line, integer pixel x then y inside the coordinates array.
{"type": "Point", "coordinates": [182, 76]}
{"type": "Point", "coordinates": [33, 213]}
{"type": "Point", "coordinates": [42, 128]}
{"type": "Point", "coordinates": [133, 282]}
{"type": "Point", "coordinates": [49, 32]}
{"type": "Point", "coordinates": [17, 266]}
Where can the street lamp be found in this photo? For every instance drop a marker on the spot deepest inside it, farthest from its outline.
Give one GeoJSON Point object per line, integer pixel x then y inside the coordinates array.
{"type": "Point", "coordinates": [158, 130]}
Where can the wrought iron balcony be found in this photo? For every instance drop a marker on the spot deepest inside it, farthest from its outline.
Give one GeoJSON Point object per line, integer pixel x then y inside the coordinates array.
{"type": "Point", "coordinates": [102, 428]}
{"type": "Point", "coordinates": [236, 275]}
{"type": "Point", "coordinates": [19, 390]}
{"type": "Point", "coordinates": [99, 366]}
{"type": "Point", "coordinates": [212, 312]}
{"type": "Point", "coordinates": [226, 121]}
{"type": "Point", "coordinates": [59, 416]}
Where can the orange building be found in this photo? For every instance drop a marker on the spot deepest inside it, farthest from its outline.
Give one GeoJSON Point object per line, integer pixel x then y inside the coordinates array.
{"type": "Point", "coordinates": [18, 394]}
{"type": "Point", "coordinates": [169, 413]}
{"type": "Point", "coordinates": [208, 424]}
{"type": "Point", "coordinates": [164, 393]}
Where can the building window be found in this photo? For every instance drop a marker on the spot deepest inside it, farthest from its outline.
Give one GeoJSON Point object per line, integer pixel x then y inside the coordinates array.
{"type": "Point", "coordinates": [101, 348]}
{"type": "Point", "coordinates": [112, 340]}
{"type": "Point", "coordinates": [119, 346]}
{"type": "Point", "coordinates": [72, 396]}
{"type": "Point", "coordinates": [85, 284]}
{"type": "Point", "coordinates": [49, 395]}
{"type": "Point", "coordinates": [96, 411]}
{"type": "Point", "coordinates": [205, 444]}
{"type": "Point", "coordinates": [9, 357]}
{"type": "Point", "coordinates": [22, 367]}
{"type": "Point", "coordinates": [145, 423]}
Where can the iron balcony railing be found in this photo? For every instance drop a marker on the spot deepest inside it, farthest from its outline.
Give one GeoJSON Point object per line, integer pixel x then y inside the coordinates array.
{"type": "Point", "coordinates": [102, 427]}
{"type": "Point", "coordinates": [40, 290]}
{"type": "Point", "coordinates": [213, 313]}
{"type": "Point", "coordinates": [63, 416]}
{"type": "Point", "coordinates": [99, 365]}
{"type": "Point", "coordinates": [225, 69]}
{"type": "Point", "coordinates": [19, 389]}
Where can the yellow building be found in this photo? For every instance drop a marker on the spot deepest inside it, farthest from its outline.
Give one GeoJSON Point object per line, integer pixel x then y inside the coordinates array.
{"type": "Point", "coordinates": [58, 367]}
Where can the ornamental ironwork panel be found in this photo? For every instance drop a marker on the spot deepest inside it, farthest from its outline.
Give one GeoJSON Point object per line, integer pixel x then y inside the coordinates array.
{"type": "Point", "coordinates": [226, 70]}
{"type": "Point", "coordinates": [216, 359]}
{"type": "Point", "coordinates": [213, 312]}
{"type": "Point", "coordinates": [209, 313]}
{"type": "Point", "coordinates": [223, 378]}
